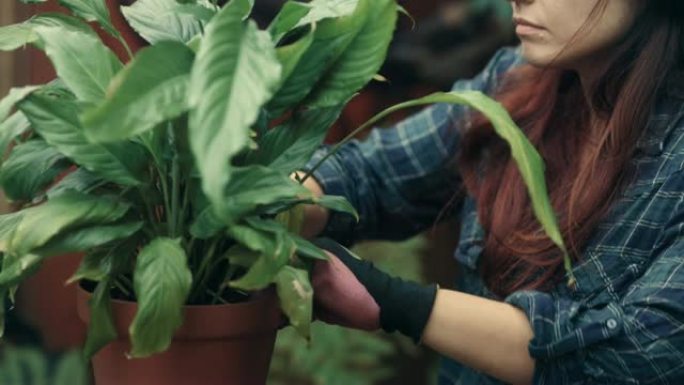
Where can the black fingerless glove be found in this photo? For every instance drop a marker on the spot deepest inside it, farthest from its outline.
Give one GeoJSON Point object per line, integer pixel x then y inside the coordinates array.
{"type": "Point", "coordinates": [404, 306]}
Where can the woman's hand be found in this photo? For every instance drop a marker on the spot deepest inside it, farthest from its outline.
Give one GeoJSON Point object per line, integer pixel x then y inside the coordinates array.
{"type": "Point", "coordinates": [341, 299]}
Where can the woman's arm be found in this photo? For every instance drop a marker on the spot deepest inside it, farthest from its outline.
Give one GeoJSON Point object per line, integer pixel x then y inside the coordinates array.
{"type": "Point", "coordinates": [489, 336]}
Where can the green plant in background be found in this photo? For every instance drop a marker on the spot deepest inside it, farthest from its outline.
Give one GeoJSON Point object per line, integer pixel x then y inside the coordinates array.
{"type": "Point", "coordinates": [28, 366]}
{"type": "Point", "coordinates": [177, 162]}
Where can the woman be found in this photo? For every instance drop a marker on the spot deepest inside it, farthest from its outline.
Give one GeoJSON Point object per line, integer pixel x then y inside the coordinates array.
{"type": "Point", "coordinates": [595, 85]}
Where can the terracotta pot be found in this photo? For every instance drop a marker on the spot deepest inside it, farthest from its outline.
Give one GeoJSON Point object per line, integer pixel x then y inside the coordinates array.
{"type": "Point", "coordinates": [217, 345]}
{"type": "Point", "coordinates": [45, 302]}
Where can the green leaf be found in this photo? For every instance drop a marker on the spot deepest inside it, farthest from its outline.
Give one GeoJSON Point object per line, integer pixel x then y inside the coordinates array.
{"type": "Point", "coordinates": [8, 223]}
{"type": "Point", "coordinates": [146, 94]}
{"type": "Point", "coordinates": [99, 264]}
{"type": "Point", "coordinates": [528, 160]}
{"type": "Point", "coordinates": [17, 268]}
{"type": "Point", "coordinates": [81, 60]}
{"type": "Point", "coordinates": [10, 129]}
{"type": "Point", "coordinates": [14, 96]}
{"type": "Point", "coordinates": [234, 75]}
{"type": "Point", "coordinates": [337, 203]}
{"type": "Point", "coordinates": [289, 147]}
{"type": "Point", "coordinates": [292, 219]}
{"type": "Point", "coordinates": [81, 180]}
{"type": "Point", "coordinates": [291, 13]}
{"type": "Point", "coordinates": [290, 55]}
{"type": "Point", "coordinates": [160, 20]}
{"type": "Point", "coordinates": [30, 167]}
{"type": "Point", "coordinates": [254, 186]}
{"type": "Point", "coordinates": [162, 283]}
{"type": "Point", "coordinates": [41, 223]}
{"type": "Point", "coordinates": [361, 60]}
{"type": "Point", "coordinates": [56, 120]}
{"type": "Point", "coordinates": [15, 36]}
{"type": "Point", "coordinates": [264, 270]}
{"type": "Point", "coordinates": [326, 9]}
{"type": "Point", "coordinates": [309, 250]}
{"type": "Point", "coordinates": [101, 329]}
{"type": "Point", "coordinates": [207, 224]}
{"type": "Point", "coordinates": [88, 238]}
{"type": "Point", "coordinates": [296, 298]}
{"type": "Point", "coordinates": [92, 11]}
{"type": "Point", "coordinates": [332, 36]}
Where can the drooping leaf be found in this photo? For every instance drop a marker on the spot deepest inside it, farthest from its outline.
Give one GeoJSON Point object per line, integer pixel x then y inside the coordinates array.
{"type": "Point", "coordinates": [147, 94]}
{"type": "Point", "coordinates": [99, 264]}
{"type": "Point", "coordinates": [71, 370]}
{"type": "Point", "coordinates": [18, 35]}
{"type": "Point", "coordinates": [31, 166]}
{"type": "Point", "coordinates": [162, 282]}
{"type": "Point", "coordinates": [254, 186]}
{"type": "Point", "coordinates": [56, 120]}
{"type": "Point", "coordinates": [92, 11]}
{"type": "Point", "coordinates": [87, 238]}
{"type": "Point", "coordinates": [327, 9]}
{"type": "Point", "coordinates": [296, 298]}
{"type": "Point", "coordinates": [8, 223]}
{"type": "Point", "coordinates": [101, 329]}
{"type": "Point", "coordinates": [159, 20]}
{"type": "Point", "coordinates": [41, 223]}
{"type": "Point", "coordinates": [307, 249]}
{"type": "Point", "coordinates": [17, 268]}
{"type": "Point", "coordinates": [528, 160]}
{"type": "Point", "coordinates": [234, 75]}
{"type": "Point", "coordinates": [361, 60]}
{"type": "Point", "coordinates": [83, 63]}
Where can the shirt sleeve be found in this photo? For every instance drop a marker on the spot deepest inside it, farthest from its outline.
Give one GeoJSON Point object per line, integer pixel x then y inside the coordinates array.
{"type": "Point", "coordinates": [638, 338]}
{"type": "Point", "coordinates": [399, 178]}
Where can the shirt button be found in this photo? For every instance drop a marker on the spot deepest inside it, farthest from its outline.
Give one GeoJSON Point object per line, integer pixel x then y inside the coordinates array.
{"type": "Point", "coordinates": [612, 324]}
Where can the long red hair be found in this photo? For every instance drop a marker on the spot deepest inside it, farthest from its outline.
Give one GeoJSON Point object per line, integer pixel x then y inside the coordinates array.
{"type": "Point", "coordinates": [586, 167]}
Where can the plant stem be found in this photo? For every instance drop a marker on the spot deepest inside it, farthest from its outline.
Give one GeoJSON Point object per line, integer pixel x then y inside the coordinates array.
{"type": "Point", "coordinates": [175, 215]}
{"type": "Point", "coordinates": [125, 45]}
{"type": "Point", "coordinates": [203, 267]}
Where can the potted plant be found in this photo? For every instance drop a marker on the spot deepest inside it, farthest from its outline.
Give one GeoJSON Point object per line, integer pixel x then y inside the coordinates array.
{"type": "Point", "coordinates": [179, 165]}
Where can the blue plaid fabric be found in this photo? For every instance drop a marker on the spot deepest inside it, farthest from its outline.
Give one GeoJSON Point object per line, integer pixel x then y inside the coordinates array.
{"type": "Point", "coordinates": [624, 323]}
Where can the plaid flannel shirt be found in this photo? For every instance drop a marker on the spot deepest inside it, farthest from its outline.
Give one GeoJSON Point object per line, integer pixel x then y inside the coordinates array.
{"type": "Point", "coordinates": [624, 323]}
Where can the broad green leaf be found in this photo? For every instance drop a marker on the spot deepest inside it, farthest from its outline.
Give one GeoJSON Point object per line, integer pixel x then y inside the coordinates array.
{"type": "Point", "coordinates": [254, 186]}
{"type": "Point", "coordinates": [162, 284]}
{"type": "Point", "coordinates": [8, 223]}
{"type": "Point", "coordinates": [296, 298]}
{"type": "Point", "coordinates": [159, 20]}
{"type": "Point", "coordinates": [88, 238]}
{"type": "Point", "coordinates": [289, 147]}
{"type": "Point", "coordinates": [31, 166]}
{"type": "Point", "coordinates": [18, 35]}
{"type": "Point", "coordinates": [337, 203]}
{"type": "Point", "coordinates": [266, 267]}
{"type": "Point", "coordinates": [92, 10]}
{"type": "Point", "coordinates": [290, 55]}
{"type": "Point", "coordinates": [83, 63]}
{"type": "Point", "coordinates": [10, 129]}
{"type": "Point", "coordinates": [14, 96]}
{"type": "Point", "coordinates": [289, 16]}
{"type": "Point", "coordinates": [56, 120]}
{"type": "Point", "coordinates": [326, 9]}
{"type": "Point", "coordinates": [146, 94]}
{"type": "Point", "coordinates": [15, 269]}
{"type": "Point", "coordinates": [39, 224]}
{"type": "Point", "coordinates": [101, 329]}
{"type": "Point", "coordinates": [332, 36]}
{"type": "Point", "coordinates": [207, 225]}
{"type": "Point", "coordinates": [81, 180]}
{"type": "Point", "coordinates": [234, 75]}
{"type": "Point", "coordinates": [203, 13]}
{"type": "Point", "coordinates": [15, 36]}
{"type": "Point", "coordinates": [361, 60]}
{"type": "Point", "coordinates": [528, 160]}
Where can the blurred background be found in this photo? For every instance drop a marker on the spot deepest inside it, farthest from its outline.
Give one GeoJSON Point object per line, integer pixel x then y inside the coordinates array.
{"type": "Point", "coordinates": [450, 40]}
